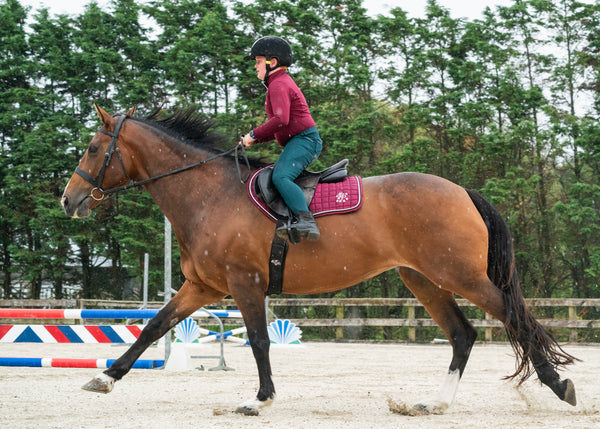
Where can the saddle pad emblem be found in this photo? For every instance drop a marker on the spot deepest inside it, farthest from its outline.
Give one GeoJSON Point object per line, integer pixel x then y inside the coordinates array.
{"type": "Point", "coordinates": [342, 197]}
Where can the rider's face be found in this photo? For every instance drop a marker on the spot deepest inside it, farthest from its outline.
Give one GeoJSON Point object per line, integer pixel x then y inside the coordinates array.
{"type": "Point", "coordinates": [261, 67]}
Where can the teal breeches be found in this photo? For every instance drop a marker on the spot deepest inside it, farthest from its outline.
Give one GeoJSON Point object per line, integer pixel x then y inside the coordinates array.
{"type": "Point", "coordinates": [297, 154]}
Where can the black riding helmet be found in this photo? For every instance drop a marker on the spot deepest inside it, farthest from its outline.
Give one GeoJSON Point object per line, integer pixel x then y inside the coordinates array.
{"type": "Point", "coordinates": [272, 47]}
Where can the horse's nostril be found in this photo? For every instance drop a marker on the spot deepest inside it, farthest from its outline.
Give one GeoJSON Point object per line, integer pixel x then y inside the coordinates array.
{"type": "Point", "coordinates": [65, 201]}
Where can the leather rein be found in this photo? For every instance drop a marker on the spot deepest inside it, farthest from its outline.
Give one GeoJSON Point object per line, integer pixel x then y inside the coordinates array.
{"type": "Point", "coordinates": [113, 148]}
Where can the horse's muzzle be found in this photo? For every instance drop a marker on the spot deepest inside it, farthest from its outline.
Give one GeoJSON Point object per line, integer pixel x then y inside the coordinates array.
{"type": "Point", "coordinates": [76, 207]}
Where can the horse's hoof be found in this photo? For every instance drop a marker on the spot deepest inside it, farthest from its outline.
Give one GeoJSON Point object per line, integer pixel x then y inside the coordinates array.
{"type": "Point", "coordinates": [247, 410]}
{"type": "Point", "coordinates": [421, 409]}
{"type": "Point", "coordinates": [101, 383]}
{"type": "Point", "coordinates": [570, 397]}
{"type": "Point", "coordinates": [252, 407]}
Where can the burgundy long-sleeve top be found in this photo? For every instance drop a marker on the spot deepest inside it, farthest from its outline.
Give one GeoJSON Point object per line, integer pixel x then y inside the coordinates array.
{"type": "Point", "coordinates": [286, 109]}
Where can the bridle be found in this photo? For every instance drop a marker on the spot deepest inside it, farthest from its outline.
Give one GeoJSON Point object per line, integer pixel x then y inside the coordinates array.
{"type": "Point", "coordinates": [98, 193]}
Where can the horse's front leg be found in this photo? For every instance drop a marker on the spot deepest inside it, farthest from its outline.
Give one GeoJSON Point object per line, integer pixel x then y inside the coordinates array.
{"type": "Point", "coordinates": [252, 306]}
{"type": "Point", "coordinates": [190, 297]}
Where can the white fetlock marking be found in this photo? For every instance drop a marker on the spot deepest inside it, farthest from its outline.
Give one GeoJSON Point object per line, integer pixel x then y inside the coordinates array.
{"type": "Point", "coordinates": [107, 380]}
{"type": "Point", "coordinates": [255, 404]}
{"type": "Point", "coordinates": [251, 407]}
{"type": "Point", "coordinates": [101, 383]}
{"type": "Point", "coordinates": [448, 391]}
{"type": "Point", "coordinates": [445, 396]}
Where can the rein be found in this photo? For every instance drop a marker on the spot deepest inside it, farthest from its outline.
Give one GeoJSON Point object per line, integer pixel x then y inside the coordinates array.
{"type": "Point", "coordinates": [113, 147]}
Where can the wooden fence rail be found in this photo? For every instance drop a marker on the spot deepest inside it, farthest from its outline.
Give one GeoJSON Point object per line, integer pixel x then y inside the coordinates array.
{"type": "Point", "coordinates": [573, 322]}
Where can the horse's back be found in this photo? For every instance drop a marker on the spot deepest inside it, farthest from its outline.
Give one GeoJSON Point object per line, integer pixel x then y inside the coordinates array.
{"type": "Point", "coordinates": [407, 184]}
{"type": "Point", "coordinates": [425, 196]}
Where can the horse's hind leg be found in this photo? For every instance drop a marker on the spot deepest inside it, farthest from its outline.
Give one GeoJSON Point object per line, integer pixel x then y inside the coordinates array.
{"type": "Point", "coordinates": [442, 307]}
{"type": "Point", "coordinates": [534, 347]}
{"type": "Point", "coordinates": [188, 299]}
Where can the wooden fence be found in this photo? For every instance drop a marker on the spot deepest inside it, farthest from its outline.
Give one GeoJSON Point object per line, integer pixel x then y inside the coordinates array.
{"type": "Point", "coordinates": [574, 320]}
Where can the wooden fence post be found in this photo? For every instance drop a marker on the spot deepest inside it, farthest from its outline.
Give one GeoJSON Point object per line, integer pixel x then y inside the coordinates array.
{"type": "Point", "coordinates": [412, 330]}
{"type": "Point", "coordinates": [339, 314]}
{"type": "Point", "coordinates": [488, 331]}
{"type": "Point", "coordinates": [572, 331]}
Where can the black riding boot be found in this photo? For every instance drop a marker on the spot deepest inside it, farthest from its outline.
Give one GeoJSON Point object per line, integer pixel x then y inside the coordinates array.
{"type": "Point", "coordinates": [306, 226]}
{"type": "Point", "coordinates": [303, 225]}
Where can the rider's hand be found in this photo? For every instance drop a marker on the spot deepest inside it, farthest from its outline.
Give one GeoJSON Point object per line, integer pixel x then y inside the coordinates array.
{"type": "Point", "coordinates": [247, 140]}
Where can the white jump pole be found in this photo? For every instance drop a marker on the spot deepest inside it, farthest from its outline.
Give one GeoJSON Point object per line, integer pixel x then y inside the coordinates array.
{"type": "Point", "coordinates": [145, 287]}
{"type": "Point", "coordinates": [167, 268]}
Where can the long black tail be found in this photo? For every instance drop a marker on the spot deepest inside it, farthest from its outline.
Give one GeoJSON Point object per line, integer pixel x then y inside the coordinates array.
{"type": "Point", "coordinates": [533, 345]}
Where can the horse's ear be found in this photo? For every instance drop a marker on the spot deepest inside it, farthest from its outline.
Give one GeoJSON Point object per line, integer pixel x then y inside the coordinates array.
{"type": "Point", "coordinates": [104, 117]}
{"type": "Point", "coordinates": [131, 111]}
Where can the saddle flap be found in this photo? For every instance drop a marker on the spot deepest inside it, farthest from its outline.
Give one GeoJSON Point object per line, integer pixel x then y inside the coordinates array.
{"type": "Point", "coordinates": [269, 193]}
{"type": "Point", "coordinates": [265, 186]}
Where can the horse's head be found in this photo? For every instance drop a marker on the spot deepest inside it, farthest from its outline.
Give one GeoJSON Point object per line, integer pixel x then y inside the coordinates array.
{"type": "Point", "coordinates": [102, 168]}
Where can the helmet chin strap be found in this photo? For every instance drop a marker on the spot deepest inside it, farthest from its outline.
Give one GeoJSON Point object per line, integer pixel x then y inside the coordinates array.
{"type": "Point", "coordinates": [269, 70]}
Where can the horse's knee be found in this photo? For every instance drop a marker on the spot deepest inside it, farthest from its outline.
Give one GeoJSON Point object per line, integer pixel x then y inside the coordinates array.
{"type": "Point", "coordinates": [258, 333]}
{"type": "Point", "coordinates": [260, 345]}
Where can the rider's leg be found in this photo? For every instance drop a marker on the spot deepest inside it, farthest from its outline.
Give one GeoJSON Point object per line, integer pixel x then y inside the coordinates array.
{"type": "Point", "coordinates": [298, 153]}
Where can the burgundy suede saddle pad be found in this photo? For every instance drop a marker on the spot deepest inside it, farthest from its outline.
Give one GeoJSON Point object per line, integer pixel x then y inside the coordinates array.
{"type": "Point", "coordinates": [327, 192]}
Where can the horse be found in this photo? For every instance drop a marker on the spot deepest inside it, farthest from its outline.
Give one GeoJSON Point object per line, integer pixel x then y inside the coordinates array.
{"type": "Point", "coordinates": [442, 239]}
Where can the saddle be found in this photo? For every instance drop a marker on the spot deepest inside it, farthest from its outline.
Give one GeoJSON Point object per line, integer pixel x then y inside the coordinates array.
{"type": "Point", "coordinates": [307, 181]}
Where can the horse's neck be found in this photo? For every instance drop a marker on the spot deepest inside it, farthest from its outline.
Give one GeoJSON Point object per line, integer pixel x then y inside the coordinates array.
{"type": "Point", "coordinates": [183, 196]}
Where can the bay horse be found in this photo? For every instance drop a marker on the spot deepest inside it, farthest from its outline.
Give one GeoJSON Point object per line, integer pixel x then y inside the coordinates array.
{"type": "Point", "coordinates": [441, 238]}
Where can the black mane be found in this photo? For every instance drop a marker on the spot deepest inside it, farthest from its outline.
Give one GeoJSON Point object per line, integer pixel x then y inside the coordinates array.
{"type": "Point", "coordinates": [187, 126]}
{"type": "Point", "coordinates": [193, 129]}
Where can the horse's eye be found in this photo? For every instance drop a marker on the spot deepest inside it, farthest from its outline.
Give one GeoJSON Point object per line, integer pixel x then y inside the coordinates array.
{"type": "Point", "coordinates": [93, 149]}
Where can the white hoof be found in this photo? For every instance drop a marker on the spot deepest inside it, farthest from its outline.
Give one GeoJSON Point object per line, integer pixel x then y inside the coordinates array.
{"type": "Point", "coordinates": [253, 406]}
{"type": "Point", "coordinates": [101, 383]}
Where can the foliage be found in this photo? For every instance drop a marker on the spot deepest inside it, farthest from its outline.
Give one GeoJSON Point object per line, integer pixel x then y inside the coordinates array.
{"type": "Point", "coordinates": [507, 104]}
